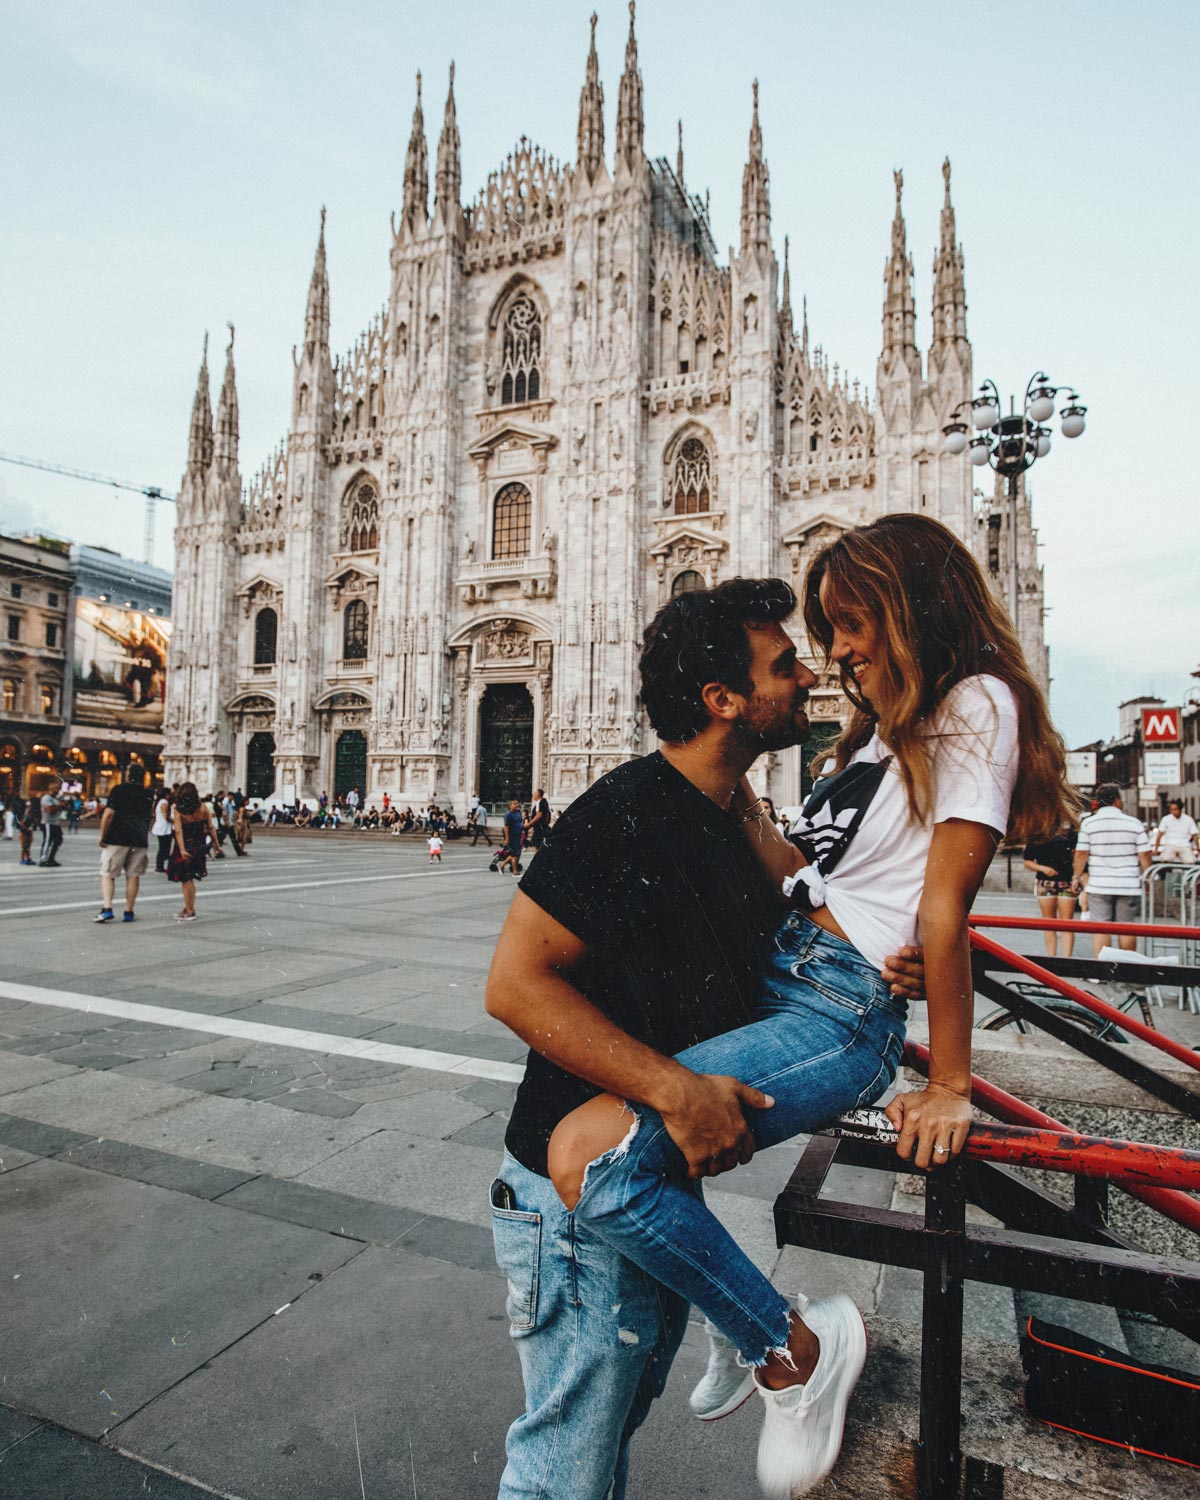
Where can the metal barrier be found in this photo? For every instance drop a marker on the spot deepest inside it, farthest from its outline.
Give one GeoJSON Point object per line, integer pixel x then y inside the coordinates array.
{"type": "Point", "coordinates": [1045, 1247]}
{"type": "Point", "coordinates": [1066, 1250]}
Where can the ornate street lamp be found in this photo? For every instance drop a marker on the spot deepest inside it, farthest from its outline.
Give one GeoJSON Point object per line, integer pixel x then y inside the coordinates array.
{"type": "Point", "coordinates": [1013, 444]}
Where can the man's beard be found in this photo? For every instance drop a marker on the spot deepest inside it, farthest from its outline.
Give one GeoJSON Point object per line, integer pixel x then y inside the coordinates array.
{"type": "Point", "coordinates": [755, 733]}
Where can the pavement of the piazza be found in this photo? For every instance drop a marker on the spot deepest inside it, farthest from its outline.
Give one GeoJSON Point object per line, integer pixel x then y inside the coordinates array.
{"type": "Point", "coordinates": [259, 1270]}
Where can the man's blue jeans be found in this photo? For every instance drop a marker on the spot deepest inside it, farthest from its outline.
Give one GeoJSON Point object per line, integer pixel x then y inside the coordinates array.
{"type": "Point", "coordinates": [829, 1038]}
{"type": "Point", "coordinates": [595, 1336]}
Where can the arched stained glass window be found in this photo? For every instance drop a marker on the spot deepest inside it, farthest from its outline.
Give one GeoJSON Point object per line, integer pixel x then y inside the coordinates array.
{"type": "Point", "coordinates": [266, 633]}
{"type": "Point", "coordinates": [687, 582]}
{"type": "Point", "coordinates": [359, 531]}
{"type": "Point", "coordinates": [692, 478]}
{"type": "Point", "coordinates": [521, 357]}
{"type": "Point", "coordinates": [354, 631]}
{"type": "Point", "coordinates": [513, 522]}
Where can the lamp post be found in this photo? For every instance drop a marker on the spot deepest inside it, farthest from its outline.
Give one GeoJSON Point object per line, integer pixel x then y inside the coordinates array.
{"type": "Point", "coordinates": [1012, 444]}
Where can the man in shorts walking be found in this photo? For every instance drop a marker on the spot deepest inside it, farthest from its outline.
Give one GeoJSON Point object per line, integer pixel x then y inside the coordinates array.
{"type": "Point", "coordinates": [514, 837]}
{"type": "Point", "coordinates": [124, 835]}
{"type": "Point", "coordinates": [1113, 849]}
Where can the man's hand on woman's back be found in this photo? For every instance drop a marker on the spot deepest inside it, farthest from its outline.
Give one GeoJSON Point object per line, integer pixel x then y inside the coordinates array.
{"type": "Point", "coordinates": [905, 972]}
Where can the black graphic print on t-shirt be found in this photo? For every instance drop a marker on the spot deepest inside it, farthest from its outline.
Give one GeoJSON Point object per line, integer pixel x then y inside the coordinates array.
{"type": "Point", "coordinates": [833, 814]}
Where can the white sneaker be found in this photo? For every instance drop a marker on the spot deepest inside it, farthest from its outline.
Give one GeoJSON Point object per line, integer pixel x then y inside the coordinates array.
{"type": "Point", "coordinates": [802, 1428]}
{"type": "Point", "coordinates": [725, 1385]}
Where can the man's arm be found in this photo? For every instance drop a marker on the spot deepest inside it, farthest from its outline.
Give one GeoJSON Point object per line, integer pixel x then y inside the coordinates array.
{"type": "Point", "coordinates": [1081, 859]}
{"type": "Point", "coordinates": [1144, 859]}
{"type": "Point", "coordinates": [528, 990]}
{"type": "Point", "coordinates": [105, 824]}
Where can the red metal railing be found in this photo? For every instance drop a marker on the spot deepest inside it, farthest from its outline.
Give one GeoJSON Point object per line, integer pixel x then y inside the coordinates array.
{"type": "Point", "coordinates": [1171, 1204]}
{"type": "Point", "coordinates": [1054, 924]}
{"type": "Point", "coordinates": [1046, 1247]}
{"type": "Point", "coordinates": [1128, 1163]}
{"type": "Point", "coordinates": [1098, 1007]}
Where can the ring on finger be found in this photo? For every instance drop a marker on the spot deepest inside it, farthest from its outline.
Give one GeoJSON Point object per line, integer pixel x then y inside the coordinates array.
{"type": "Point", "coordinates": [941, 1150]}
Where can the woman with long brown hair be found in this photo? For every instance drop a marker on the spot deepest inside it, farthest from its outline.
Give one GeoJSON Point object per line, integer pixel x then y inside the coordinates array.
{"type": "Point", "coordinates": [188, 861]}
{"type": "Point", "coordinates": [950, 747]}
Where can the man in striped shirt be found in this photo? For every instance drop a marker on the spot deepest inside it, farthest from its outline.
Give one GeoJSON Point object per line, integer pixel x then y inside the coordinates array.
{"type": "Point", "coordinates": [1114, 850]}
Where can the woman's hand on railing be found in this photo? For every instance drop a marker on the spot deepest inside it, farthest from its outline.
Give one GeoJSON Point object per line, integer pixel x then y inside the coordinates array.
{"type": "Point", "coordinates": [933, 1123]}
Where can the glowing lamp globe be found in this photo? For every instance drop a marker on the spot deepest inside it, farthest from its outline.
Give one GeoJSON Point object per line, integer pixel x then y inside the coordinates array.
{"type": "Point", "coordinates": [956, 438]}
{"type": "Point", "coordinates": [1041, 404]}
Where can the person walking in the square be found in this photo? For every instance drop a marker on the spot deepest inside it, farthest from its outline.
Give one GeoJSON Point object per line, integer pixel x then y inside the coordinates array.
{"type": "Point", "coordinates": [228, 811]}
{"type": "Point", "coordinates": [1113, 850]}
{"type": "Point", "coordinates": [514, 835]}
{"type": "Point", "coordinates": [52, 834]}
{"type": "Point", "coordinates": [124, 835]}
{"type": "Point", "coordinates": [188, 863]}
{"type": "Point", "coordinates": [1051, 862]}
{"type": "Point", "coordinates": [162, 829]}
{"type": "Point", "coordinates": [539, 821]}
{"type": "Point", "coordinates": [478, 824]}
{"type": "Point", "coordinates": [28, 821]}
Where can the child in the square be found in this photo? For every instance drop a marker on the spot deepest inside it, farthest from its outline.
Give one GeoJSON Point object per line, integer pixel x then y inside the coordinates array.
{"type": "Point", "coordinates": [435, 847]}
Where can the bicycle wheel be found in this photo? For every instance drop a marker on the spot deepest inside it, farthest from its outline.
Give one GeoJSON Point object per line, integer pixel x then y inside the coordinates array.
{"type": "Point", "coordinates": [1001, 1018]}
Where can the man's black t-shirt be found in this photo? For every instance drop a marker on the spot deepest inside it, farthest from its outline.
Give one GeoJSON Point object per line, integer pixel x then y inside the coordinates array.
{"type": "Point", "coordinates": [132, 814]}
{"type": "Point", "coordinates": [665, 891]}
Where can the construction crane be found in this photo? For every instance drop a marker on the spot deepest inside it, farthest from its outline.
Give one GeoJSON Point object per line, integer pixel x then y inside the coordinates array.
{"type": "Point", "coordinates": [151, 491]}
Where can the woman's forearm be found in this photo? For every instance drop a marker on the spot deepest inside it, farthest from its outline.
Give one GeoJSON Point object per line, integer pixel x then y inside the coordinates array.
{"type": "Point", "coordinates": [950, 1000]}
{"type": "Point", "coordinates": [778, 856]}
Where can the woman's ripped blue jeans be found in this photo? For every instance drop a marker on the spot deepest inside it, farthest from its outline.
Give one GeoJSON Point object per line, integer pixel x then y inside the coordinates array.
{"type": "Point", "coordinates": [829, 1038]}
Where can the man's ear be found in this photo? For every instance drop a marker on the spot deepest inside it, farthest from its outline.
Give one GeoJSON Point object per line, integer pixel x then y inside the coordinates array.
{"type": "Point", "coordinates": [721, 702]}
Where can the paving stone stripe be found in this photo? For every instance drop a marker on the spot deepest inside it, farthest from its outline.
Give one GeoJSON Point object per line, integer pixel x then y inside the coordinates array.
{"type": "Point", "coordinates": [280, 1036]}
{"type": "Point", "coordinates": [298, 1203]}
{"type": "Point", "coordinates": [243, 890]}
{"type": "Point", "coordinates": [54, 1462]}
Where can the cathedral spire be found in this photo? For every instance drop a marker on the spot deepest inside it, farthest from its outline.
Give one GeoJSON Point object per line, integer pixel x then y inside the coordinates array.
{"type": "Point", "coordinates": [316, 314]}
{"type": "Point", "coordinates": [679, 156]}
{"type": "Point", "coordinates": [630, 122]}
{"type": "Point", "coordinates": [756, 199]}
{"type": "Point", "coordinates": [804, 324]}
{"type": "Point", "coordinates": [448, 181]}
{"type": "Point", "coordinates": [200, 434]}
{"type": "Point", "coordinates": [590, 154]}
{"type": "Point", "coordinates": [226, 436]}
{"type": "Point", "coordinates": [949, 291]}
{"type": "Point", "coordinates": [785, 311]}
{"type": "Point", "coordinates": [416, 171]}
{"type": "Point", "coordinates": [899, 310]}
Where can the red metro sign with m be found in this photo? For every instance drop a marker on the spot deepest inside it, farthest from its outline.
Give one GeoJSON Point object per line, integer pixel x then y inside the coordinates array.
{"type": "Point", "coordinates": [1160, 726]}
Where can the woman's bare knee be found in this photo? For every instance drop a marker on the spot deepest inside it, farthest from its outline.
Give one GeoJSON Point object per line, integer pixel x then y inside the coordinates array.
{"type": "Point", "coordinates": [579, 1138]}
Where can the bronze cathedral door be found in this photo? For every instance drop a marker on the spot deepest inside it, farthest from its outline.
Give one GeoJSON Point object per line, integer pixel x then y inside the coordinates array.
{"type": "Point", "coordinates": [506, 744]}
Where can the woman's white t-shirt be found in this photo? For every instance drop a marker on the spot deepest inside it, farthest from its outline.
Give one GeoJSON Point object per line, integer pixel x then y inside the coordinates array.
{"type": "Point", "coordinates": [162, 821]}
{"type": "Point", "coordinates": [874, 890]}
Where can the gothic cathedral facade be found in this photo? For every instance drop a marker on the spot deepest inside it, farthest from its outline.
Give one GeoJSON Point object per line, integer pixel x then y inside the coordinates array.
{"type": "Point", "coordinates": [568, 410]}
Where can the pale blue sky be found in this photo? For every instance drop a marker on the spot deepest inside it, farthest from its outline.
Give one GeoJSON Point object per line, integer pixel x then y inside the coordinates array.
{"type": "Point", "coordinates": [165, 163]}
